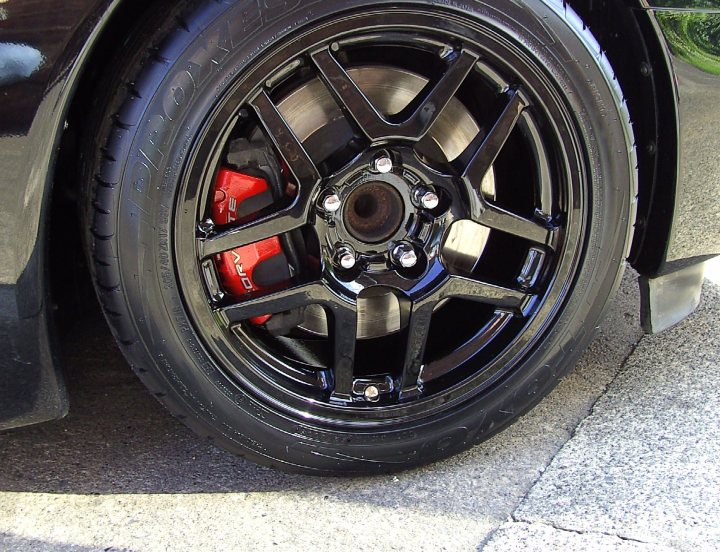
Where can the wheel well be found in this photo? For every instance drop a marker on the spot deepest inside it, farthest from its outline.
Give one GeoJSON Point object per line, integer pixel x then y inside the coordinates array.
{"type": "Point", "coordinates": [627, 35]}
{"type": "Point", "coordinates": [71, 287]}
{"type": "Point", "coordinates": [631, 42]}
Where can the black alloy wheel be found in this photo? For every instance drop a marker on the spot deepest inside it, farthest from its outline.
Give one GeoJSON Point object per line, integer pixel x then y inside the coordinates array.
{"type": "Point", "coordinates": [452, 195]}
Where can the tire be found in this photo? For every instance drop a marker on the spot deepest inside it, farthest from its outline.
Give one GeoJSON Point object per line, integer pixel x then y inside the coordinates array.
{"type": "Point", "coordinates": [178, 81]}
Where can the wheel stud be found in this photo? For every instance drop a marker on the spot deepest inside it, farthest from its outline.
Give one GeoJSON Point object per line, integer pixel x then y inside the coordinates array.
{"type": "Point", "coordinates": [425, 198]}
{"type": "Point", "coordinates": [383, 164]}
{"type": "Point", "coordinates": [332, 203]}
{"type": "Point", "coordinates": [345, 257]}
{"type": "Point", "coordinates": [404, 255]}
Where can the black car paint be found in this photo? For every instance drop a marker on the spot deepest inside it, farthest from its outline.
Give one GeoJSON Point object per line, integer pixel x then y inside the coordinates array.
{"type": "Point", "coordinates": [35, 99]}
{"type": "Point", "coordinates": [44, 47]}
{"type": "Point", "coordinates": [697, 74]}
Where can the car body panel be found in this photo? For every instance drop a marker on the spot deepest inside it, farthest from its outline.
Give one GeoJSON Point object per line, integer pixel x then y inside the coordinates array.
{"type": "Point", "coordinates": [693, 5]}
{"type": "Point", "coordinates": [44, 45]}
{"type": "Point", "coordinates": [693, 40]}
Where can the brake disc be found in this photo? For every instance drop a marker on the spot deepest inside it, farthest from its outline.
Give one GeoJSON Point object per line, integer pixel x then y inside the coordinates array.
{"type": "Point", "coordinates": [311, 109]}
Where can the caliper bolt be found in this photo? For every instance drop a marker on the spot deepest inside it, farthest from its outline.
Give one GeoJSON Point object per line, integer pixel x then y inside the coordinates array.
{"type": "Point", "coordinates": [427, 199]}
{"type": "Point", "coordinates": [345, 257]}
{"type": "Point", "coordinates": [383, 164]}
{"type": "Point", "coordinates": [332, 203]}
{"type": "Point", "coordinates": [372, 393]}
{"type": "Point", "coordinates": [404, 255]}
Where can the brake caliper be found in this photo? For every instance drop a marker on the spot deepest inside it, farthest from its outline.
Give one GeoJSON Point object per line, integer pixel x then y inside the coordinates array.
{"type": "Point", "coordinates": [257, 266]}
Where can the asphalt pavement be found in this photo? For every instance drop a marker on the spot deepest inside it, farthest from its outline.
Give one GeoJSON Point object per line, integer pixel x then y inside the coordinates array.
{"type": "Point", "coordinates": [623, 455]}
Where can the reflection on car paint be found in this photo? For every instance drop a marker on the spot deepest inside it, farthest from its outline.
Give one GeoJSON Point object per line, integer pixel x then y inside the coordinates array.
{"type": "Point", "coordinates": [17, 62]}
{"type": "Point", "coordinates": [693, 37]}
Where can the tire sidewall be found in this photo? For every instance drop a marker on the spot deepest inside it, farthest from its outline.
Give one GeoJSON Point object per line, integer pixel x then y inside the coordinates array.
{"type": "Point", "coordinates": [229, 39]}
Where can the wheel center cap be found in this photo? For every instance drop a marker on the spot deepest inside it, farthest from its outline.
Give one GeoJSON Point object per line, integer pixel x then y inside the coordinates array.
{"type": "Point", "coordinates": [374, 212]}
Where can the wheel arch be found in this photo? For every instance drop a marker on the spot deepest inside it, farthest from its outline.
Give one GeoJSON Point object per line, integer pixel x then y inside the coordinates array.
{"type": "Point", "coordinates": [107, 41]}
{"type": "Point", "coordinates": [633, 43]}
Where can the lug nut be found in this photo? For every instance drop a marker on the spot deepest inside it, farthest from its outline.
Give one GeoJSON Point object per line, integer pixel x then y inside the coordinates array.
{"type": "Point", "coordinates": [345, 257]}
{"type": "Point", "coordinates": [383, 164]}
{"type": "Point", "coordinates": [332, 203]}
{"type": "Point", "coordinates": [427, 199]}
{"type": "Point", "coordinates": [446, 52]}
{"type": "Point", "coordinates": [206, 227]}
{"type": "Point", "coordinates": [404, 255]}
{"type": "Point", "coordinates": [347, 261]}
{"type": "Point", "coordinates": [372, 393]}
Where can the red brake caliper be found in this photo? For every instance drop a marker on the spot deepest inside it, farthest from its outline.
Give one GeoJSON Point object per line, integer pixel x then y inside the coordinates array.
{"type": "Point", "coordinates": [253, 267]}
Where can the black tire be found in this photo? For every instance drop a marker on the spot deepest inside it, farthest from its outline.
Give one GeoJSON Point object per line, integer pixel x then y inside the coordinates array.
{"type": "Point", "coordinates": [135, 181]}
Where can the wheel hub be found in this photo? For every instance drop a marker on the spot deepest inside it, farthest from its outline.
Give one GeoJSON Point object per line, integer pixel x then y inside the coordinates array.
{"type": "Point", "coordinates": [374, 212]}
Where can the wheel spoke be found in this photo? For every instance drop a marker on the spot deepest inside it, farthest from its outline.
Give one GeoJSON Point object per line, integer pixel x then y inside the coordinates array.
{"type": "Point", "coordinates": [475, 162]}
{"type": "Point", "coordinates": [420, 317]}
{"type": "Point", "coordinates": [479, 156]}
{"type": "Point", "coordinates": [482, 158]}
{"type": "Point", "coordinates": [418, 330]}
{"type": "Point", "coordinates": [432, 100]}
{"type": "Point", "coordinates": [343, 335]}
{"type": "Point", "coordinates": [473, 290]}
{"type": "Point", "coordinates": [270, 303]}
{"type": "Point", "coordinates": [263, 228]}
{"type": "Point", "coordinates": [303, 169]}
{"type": "Point", "coordinates": [352, 100]}
{"type": "Point", "coordinates": [343, 331]}
{"type": "Point", "coordinates": [415, 120]}
{"type": "Point", "coordinates": [499, 219]}
{"type": "Point", "coordinates": [287, 143]}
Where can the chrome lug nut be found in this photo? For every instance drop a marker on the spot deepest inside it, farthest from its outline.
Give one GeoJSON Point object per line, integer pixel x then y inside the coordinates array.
{"type": "Point", "coordinates": [383, 164]}
{"type": "Point", "coordinates": [345, 257]}
{"type": "Point", "coordinates": [446, 52]}
{"type": "Point", "coordinates": [404, 255]}
{"type": "Point", "coordinates": [427, 199]}
{"type": "Point", "coordinates": [347, 261]}
{"type": "Point", "coordinates": [372, 393]}
{"type": "Point", "coordinates": [332, 203]}
{"type": "Point", "coordinates": [206, 227]}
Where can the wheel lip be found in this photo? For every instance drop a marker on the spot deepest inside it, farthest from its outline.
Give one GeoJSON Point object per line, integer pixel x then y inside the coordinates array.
{"type": "Point", "coordinates": [456, 394]}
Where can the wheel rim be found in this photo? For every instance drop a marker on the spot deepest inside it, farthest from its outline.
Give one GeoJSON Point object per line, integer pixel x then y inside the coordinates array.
{"type": "Point", "coordinates": [511, 296]}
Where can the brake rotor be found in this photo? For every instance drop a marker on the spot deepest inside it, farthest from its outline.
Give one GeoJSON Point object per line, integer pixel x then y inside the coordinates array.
{"type": "Point", "coordinates": [311, 110]}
